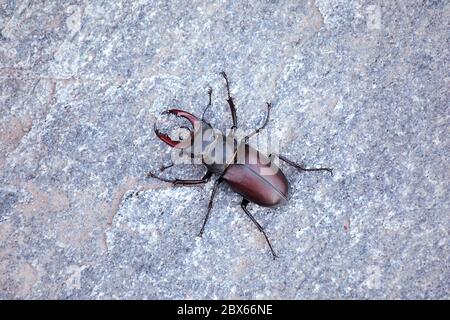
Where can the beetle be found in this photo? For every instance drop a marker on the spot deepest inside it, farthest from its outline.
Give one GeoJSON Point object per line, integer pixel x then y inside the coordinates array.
{"type": "Point", "coordinates": [243, 176]}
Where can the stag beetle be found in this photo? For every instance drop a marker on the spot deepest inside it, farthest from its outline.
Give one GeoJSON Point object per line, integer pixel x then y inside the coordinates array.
{"type": "Point", "coordinates": [244, 176]}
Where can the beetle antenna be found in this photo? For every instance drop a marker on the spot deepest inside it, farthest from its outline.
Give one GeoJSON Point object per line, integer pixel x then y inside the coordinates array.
{"type": "Point", "coordinates": [209, 103]}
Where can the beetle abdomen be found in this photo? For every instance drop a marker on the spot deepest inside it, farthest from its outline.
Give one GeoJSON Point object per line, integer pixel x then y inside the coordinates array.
{"type": "Point", "coordinates": [257, 179]}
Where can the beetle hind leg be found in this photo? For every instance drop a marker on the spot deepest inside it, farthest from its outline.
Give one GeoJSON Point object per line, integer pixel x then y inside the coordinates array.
{"type": "Point", "coordinates": [244, 204]}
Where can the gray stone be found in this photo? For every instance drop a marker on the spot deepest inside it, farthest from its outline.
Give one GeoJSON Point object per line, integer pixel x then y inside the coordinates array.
{"type": "Point", "coordinates": [359, 86]}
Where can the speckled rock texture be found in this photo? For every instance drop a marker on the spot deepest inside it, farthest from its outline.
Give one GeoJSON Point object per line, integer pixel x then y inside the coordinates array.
{"type": "Point", "coordinates": [360, 86]}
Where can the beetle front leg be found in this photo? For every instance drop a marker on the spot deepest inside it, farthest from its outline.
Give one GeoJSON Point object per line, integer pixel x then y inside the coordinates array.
{"type": "Point", "coordinates": [216, 186]}
{"type": "Point", "coordinates": [244, 204]}
{"type": "Point", "coordinates": [299, 167]}
{"type": "Point", "coordinates": [230, 101]}
{"type": "Point", "coordinates": [183, 182]}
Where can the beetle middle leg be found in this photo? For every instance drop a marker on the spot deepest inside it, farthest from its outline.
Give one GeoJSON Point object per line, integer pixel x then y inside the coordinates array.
{"type": "Point", "coordinates": [244, 204]}
{"type": "Point", "coordinates": [230, 101]}
{"type": "Point", "coordinates": [208, 212]}
{"type": "Point", "coordinates": [299, 167]}
{"type": "Point", "coordinates": [184, 182]}
{"type": "Point", "coordinates": [266, 121]}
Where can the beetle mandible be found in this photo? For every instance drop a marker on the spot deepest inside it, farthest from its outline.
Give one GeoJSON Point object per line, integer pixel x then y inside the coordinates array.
{"type": "Point", "coordinates": [244, 177]}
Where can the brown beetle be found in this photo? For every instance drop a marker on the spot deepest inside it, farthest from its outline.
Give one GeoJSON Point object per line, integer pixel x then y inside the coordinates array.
{"type": "Point", "coordinates": [237, 163]}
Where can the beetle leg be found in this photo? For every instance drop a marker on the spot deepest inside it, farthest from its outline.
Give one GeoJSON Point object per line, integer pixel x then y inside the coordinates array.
{"type": "Point", "coordinates": [216, 186]}
{"type": "Point", "coordinates": [299, 167]}
{"type": "Point", "coordinates": [230, 101]}
{"type": "Point", "coordinates": [163, 167]}
{"type": "Point", "coordinates": [244, 204]}
{"type": "Point", "coordinates": [266, 121]}
{"type": "Point", "coordinates": [183, 182]}
{"type": "Point", "coordinates": [209, 103]}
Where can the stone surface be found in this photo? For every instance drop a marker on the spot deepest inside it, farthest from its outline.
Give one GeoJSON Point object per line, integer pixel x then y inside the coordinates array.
{"type": "Point", "coordinates": [362, 87]}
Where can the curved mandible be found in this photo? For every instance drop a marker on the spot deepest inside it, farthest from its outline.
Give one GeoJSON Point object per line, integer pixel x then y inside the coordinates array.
{"type": "Point", "coordinates": [196, 124]}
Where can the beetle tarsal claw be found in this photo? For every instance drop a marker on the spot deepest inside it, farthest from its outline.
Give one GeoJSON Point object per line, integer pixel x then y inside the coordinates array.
{"type": "Point", "coordinates": [150, 174]}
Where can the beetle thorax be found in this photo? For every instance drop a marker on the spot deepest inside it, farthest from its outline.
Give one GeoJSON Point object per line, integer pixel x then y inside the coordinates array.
{"type": "Point", "coordinates": [212, 148]}
{"type": "Point", "coordinates": [220, 153]}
